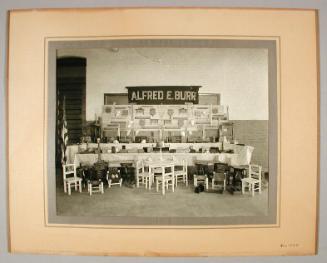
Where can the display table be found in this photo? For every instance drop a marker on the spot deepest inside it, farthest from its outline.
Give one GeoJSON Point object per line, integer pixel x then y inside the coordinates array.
{"type": "Point", "coordinates": [241, 154]}
{"type": "Point", "coordinates": [241, 158]}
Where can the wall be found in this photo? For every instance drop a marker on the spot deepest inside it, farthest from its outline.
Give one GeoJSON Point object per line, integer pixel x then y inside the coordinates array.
{"type": "Point", "coordinates": [254, 133]}
{"type": "Point", "coordinates": [239, 75]}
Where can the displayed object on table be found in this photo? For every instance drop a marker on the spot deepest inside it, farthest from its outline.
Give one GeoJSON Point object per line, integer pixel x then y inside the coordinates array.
{"type": "Point", "coordinates": [113, 177]}
{"type": "Point", "coordinates": [254, 180]}
{"type": "Point", "coordinates": [70, 178]}
{"type": "Point", "coordinates": [214, 150]}
{"type": "Point", "coordinates": [160, 144]}
{"type": "Point", "coordinates": [152, 112]}
{"type": "Point", "coordinates": [86, 139]}
{"type": "Point", "coordinates": [123, 149]}
{"type": "Point", "coordinates": [113, 149]}
{"type": "Point", "coordinates": [192, 150]}
{"type": "Point", "coordinates": [165, 149]}
{"type": "Point", "coordinates": [170, 113]}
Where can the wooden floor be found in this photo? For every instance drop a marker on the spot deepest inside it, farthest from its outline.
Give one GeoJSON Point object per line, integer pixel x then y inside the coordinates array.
{"type": "Point", "coordinates": [127, 201]}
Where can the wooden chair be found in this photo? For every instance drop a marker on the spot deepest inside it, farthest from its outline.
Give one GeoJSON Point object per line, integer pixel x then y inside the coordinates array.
{"type": "Point", "coordinates": [253, 181]}
{"type": "Point", "coordinates": [219, 175]}
{"type": "Point", "coordinates": [166, 179]}
{"type": "Point", "coordinates": [180, 173]}
{"type": "Point", "coordinates": [201, 177]}
{"type": "Point", "coordinates": [95, 181]}
{"type": "Point", "coordinates": [70, 178]}
{"type": "Point", "coordinates": [142, 176]}
{"type": "Point", "coordinates": [113, 177]}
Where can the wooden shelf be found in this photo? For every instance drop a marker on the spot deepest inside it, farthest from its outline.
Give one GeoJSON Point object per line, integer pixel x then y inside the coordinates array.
{"type": "Point", "coordinates": [169, 118]}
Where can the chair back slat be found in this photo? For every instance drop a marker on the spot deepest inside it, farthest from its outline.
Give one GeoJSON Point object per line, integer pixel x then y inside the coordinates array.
{"type": "Point", "coordinates": [255, 171]}
{"type": "Point", "coordinates": [69, 170]}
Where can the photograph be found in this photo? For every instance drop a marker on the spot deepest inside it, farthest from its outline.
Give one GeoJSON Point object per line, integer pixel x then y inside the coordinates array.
{"type": "Point", "coordinates": [165, 129]}
{"type": "Point", "coordinates": [178, 132]}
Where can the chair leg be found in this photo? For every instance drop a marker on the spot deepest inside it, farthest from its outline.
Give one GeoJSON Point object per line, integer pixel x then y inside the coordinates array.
{"type": "Point", "coordinates": [138, 182]}
{"type": "Point", "coordinates": [243, 187]}
{"type": "Point", "coordinates": [69, 189]}
{"type": "Point", "coordinates": [120, 182]}
{"type": "Point", "coordinates": [207, 183]}
{"type": "Point", "coordinates": [163, 186]}
{"type": "Point", "coordinates": [102, 191]}
{"type": "Point", "coordinates": [80, 186]}
{"type": "Point", "coordinates": [150, 182]}
{"type": "Point", "coordinates": [195, 181]}
{"type": "Point", "coordinates": [109, 184]}
{"type": "Point", "coordinates": [65, 187]}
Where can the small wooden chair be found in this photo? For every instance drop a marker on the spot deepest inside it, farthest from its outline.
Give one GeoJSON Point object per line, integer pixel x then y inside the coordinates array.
{"type": "Point", "coordinates": [253, 181]}
{"type": "Point", "coordinates": [201, 177]}
{"type": "Point", "coordinates": [70, 178]}
{"type": "Point", "coordinates": [180, 173]}
{"type": "Point", "coordinates": [113, 177]}
{"type": "Point", "coordinates": [142, 177]}
{"type": "Point", "coordinates": [219, 175]}
{"type": "Point", "coordinates": [166, 179]}
{"type": "Point", "coordinates": [95, 182]}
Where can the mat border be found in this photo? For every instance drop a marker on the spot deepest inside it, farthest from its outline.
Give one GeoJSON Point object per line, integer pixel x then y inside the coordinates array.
{"type": "Point", "coordinates": [17, 243]}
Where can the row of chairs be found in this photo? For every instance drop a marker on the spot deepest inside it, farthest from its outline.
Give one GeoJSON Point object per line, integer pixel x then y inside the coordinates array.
{"type": "Point", "coordinates": [176, 174]}
{"type": "Point", "coordinates": [94, 183]}
{"type": "Point", "coordinates": [252, 182]}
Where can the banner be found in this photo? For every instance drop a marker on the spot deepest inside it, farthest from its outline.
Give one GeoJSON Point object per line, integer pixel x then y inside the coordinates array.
{"type": "Point", "coordinates": [163, 94]}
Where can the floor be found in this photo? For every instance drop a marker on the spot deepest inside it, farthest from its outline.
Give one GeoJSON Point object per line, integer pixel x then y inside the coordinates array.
{"type": "Point", "coordinates": [128, 201]}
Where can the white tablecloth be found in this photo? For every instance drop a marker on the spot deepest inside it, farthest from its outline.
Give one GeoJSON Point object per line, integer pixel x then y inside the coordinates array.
{"type": "Point", "coordinates": [242, 158]}
{"type": "Point", "coordinates": [244, 152]}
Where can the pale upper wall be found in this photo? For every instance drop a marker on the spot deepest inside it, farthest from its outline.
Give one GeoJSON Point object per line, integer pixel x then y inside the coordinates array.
{"type": "Point", "coordinates": [239, 75]}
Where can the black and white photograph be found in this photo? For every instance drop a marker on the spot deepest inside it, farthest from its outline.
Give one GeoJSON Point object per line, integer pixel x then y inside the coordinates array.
{"type": "Point", "coordinates": [165, 132]}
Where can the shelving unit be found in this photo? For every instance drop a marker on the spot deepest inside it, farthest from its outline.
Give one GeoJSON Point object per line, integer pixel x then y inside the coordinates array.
{"type": "Point", "coordinates": [157, 120]}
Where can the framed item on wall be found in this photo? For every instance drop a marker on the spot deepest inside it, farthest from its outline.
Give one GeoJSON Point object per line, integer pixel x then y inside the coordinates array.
{"type": "Point", "coordinates": [234, 165]}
